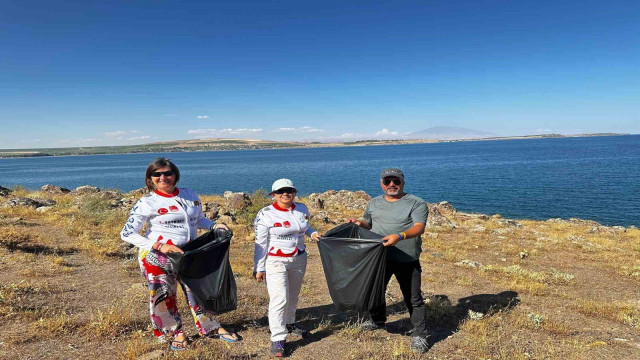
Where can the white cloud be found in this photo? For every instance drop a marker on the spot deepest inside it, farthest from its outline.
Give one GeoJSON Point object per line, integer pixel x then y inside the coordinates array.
{"type": "Point", "coordinates": [120, 134]}
{"type": "Point", "coordinates": [304, 129]}
{"type": "Point", "coordinates": [385, 132]}
{"type": "Point", "coordinates": [84, 140]}
{"type": "Point", "coordinates": [349, 136]}
{"type": "Point", "coordinates": [223, 132]}
{"type": "Point", "coordinates": [203, 116]}
{"type": "Point", "coordinates": [143, 137]}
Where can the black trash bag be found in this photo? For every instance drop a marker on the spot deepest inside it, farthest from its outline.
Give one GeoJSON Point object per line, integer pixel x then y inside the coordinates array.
{"type": "Point", "coordinates": [354, 262]}
{"type": "Point", "coordinates": [205, 269]}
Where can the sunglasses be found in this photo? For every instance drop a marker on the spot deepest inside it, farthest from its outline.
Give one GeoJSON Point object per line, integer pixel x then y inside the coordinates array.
{"type": "Point", "coordinates": [395, 181]}
{"type": "Point", "coordinates": [287, 190]}
{"type": "Point", "coordinates": [160, 173]}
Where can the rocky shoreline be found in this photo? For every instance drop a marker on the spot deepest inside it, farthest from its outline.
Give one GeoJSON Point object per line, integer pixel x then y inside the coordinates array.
{"type": "Point", "coordinates": [328, 207]}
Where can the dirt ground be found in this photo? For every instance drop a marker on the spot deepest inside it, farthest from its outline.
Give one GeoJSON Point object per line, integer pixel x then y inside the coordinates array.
{"type": "Point", "coordinates": [529, 293]}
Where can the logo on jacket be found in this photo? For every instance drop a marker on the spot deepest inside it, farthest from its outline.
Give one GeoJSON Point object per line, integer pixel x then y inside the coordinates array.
{"type": "Point", "coordinates": [287, 224]}
{"type": "Point", "coordinates": [173, 208]}
{"type": "Point", "coordinates": [277, 225]}
{"type": "Point", "coordinates": [162, 211]}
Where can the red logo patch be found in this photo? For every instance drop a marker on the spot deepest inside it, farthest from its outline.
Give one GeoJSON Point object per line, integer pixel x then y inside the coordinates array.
{"type": "Point", "coordinates": [173, 208]}
{"type": "Point", "coordinates": [277, 225]}
{"type": "Point", "coordinates": [162, 211]}
{"type": "Point", "coordinates": [287, 224]}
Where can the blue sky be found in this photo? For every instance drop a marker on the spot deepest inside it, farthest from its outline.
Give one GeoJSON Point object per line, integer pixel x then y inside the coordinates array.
{"type": "Point", "coordinates": [126, 72]}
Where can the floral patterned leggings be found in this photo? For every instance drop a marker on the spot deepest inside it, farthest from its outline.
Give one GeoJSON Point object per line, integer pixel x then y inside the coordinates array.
{"type": "Point", "coordinates": [165, 319]}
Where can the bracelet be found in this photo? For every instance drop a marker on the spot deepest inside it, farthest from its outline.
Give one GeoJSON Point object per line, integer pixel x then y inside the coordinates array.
{"type": "Point", "coordinates": [404, 235]}
{"type": "Point", "coordinates": [400, 235]}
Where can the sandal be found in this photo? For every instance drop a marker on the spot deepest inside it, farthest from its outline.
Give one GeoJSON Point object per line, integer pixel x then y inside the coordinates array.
{"type": "Point", "coordinates": [225, 336]}
{"type": "Point", "coordinates": [181, 345]}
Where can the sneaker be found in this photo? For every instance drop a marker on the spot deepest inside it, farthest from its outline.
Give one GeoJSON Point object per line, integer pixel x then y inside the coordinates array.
{"type": "Point", "coordinates": [277, 348]}
{"type": "Point", "coordinates": [294, 329]}
{"type": "Point", "coordinates": [370, 325]}
{"type": "Point", "coordinates": [419, 344]}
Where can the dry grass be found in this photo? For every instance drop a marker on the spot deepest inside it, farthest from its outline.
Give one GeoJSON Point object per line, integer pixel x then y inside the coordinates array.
{"type": "Point", "coordinates": [575, 284]}
{"type": "Point", "coordinates": [628, 314]}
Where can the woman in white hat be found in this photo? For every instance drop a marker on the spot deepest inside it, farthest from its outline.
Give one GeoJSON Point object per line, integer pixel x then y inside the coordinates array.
{"type": "Point", "coordinates": [281, 260]}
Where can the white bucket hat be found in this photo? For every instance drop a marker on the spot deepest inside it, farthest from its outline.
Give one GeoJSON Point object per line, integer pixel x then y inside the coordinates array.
{"type": "Point", "coordinates": [282, 183]}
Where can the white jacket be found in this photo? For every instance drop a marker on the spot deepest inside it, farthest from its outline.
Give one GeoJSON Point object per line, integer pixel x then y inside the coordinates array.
{"type": "Point", "coordinates": [280, 232]}
{"type": "Point", "coordinates": [173, 219]}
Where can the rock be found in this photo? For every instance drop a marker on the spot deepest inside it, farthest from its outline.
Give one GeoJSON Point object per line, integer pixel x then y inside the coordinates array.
{"type": "Point", "coordinates": [44, 208]}
{"type": "Point", "coordinates": [138, 192]}
{"type": "Point", "coordinates": [557, 221]}
{"type": "Point", "coordinates": [524, 254]}
{"type": "Point", "coordinates": [4, 191]}
{"type": "Point", "coordinates": [86, 189]}
{"type": "Point", "coordinates": [238, 201]}
{"type": "Point", "coordinates": [446, 208]}
{"type": "Point", "coordinates": [323, 216]}
{"type": "Point", "coordinates": [211, 210]}
{"type": "Point", "coordinates": [437, 219]}
{"type": "Point", "coordinates": [12, 221]}
{"type": "Point", "coordinates": [468, 263]}
{"type": "Point", "coordinates": [619, 228]}
{"type": "Point", "coordinates": [468, 216]}
{"type": "Point", "coordinates": [503, 231]}
{"type": "Point", "coordinates": [508, 222]}
{"type": "Point", "coordinates": [478, 228]}
{"type": "Point", "coordinates": [338, 201]}
{"type": "Point", "coordinates": [226, 219]}
{"type": "Point", "coordinates": [52, 189]}
{"type": "Point", "coordinates": [35, 203]}
{"type": "Point", "coordinates": [584, 222]}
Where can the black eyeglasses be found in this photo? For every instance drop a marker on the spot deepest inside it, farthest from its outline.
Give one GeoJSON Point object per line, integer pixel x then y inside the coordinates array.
{"type": "Point", "coordinates": [395, 181]}
{"type": "Point", "coordinates": [287, 190]}
{"type": "Point", "coordinates": [160, 173]}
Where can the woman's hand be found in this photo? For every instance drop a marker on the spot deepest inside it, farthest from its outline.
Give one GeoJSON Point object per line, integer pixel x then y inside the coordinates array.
{"type": "Point", "coordinates": [260, 276]}
{"type": "Point", "coordinates": [167, 248]}
{"type": "Point", "coordinates": [220, 225]}
{"type": "Point", "coordinates": [316, 236]}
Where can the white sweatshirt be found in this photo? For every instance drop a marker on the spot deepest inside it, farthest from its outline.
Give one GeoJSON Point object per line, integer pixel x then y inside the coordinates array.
{"type": "Point", "coordinates": [173, 219]}
{"type": "Point", "coordinates": [280, 232]}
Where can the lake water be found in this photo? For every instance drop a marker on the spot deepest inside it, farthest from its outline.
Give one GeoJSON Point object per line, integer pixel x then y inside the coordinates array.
{"type": "Point", "coordinates": [591, 177]}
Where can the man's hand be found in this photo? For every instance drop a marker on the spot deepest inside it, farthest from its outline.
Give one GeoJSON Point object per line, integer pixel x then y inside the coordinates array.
{"type": "Point", "coordinates": [390, 240]}
{"type": "Point", "coordinates": [220, 225]}
{"type": "Point", "coordinates": [316, 236]}
{"type": "Point", "coordinates": [261, 276]}
{"type": "Point", "coordinates": [355, 221]}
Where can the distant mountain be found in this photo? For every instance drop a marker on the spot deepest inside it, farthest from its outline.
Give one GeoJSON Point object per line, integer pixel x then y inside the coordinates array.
{"type": "Point", "coordinates": [449, 133]}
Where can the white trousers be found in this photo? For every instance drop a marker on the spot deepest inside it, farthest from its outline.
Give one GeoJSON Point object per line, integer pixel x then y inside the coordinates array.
{"type": "Point", "coordinates": [284, 280]}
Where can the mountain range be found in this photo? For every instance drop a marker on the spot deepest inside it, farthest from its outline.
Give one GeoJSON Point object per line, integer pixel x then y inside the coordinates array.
{"type": "Point", "coordinates": [449, 133]}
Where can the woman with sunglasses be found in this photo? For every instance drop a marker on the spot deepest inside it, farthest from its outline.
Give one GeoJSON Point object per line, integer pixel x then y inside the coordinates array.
{"type": "Point", "coordinates": [280, 259]}
{"type": "Point", "coordinates": [174, 215]}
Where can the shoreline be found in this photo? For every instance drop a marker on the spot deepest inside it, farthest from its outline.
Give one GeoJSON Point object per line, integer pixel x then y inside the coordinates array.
{"type": "Point", "coordinates": [304, 197]}
{"type": "Point", "coordinates": [214, 145]}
